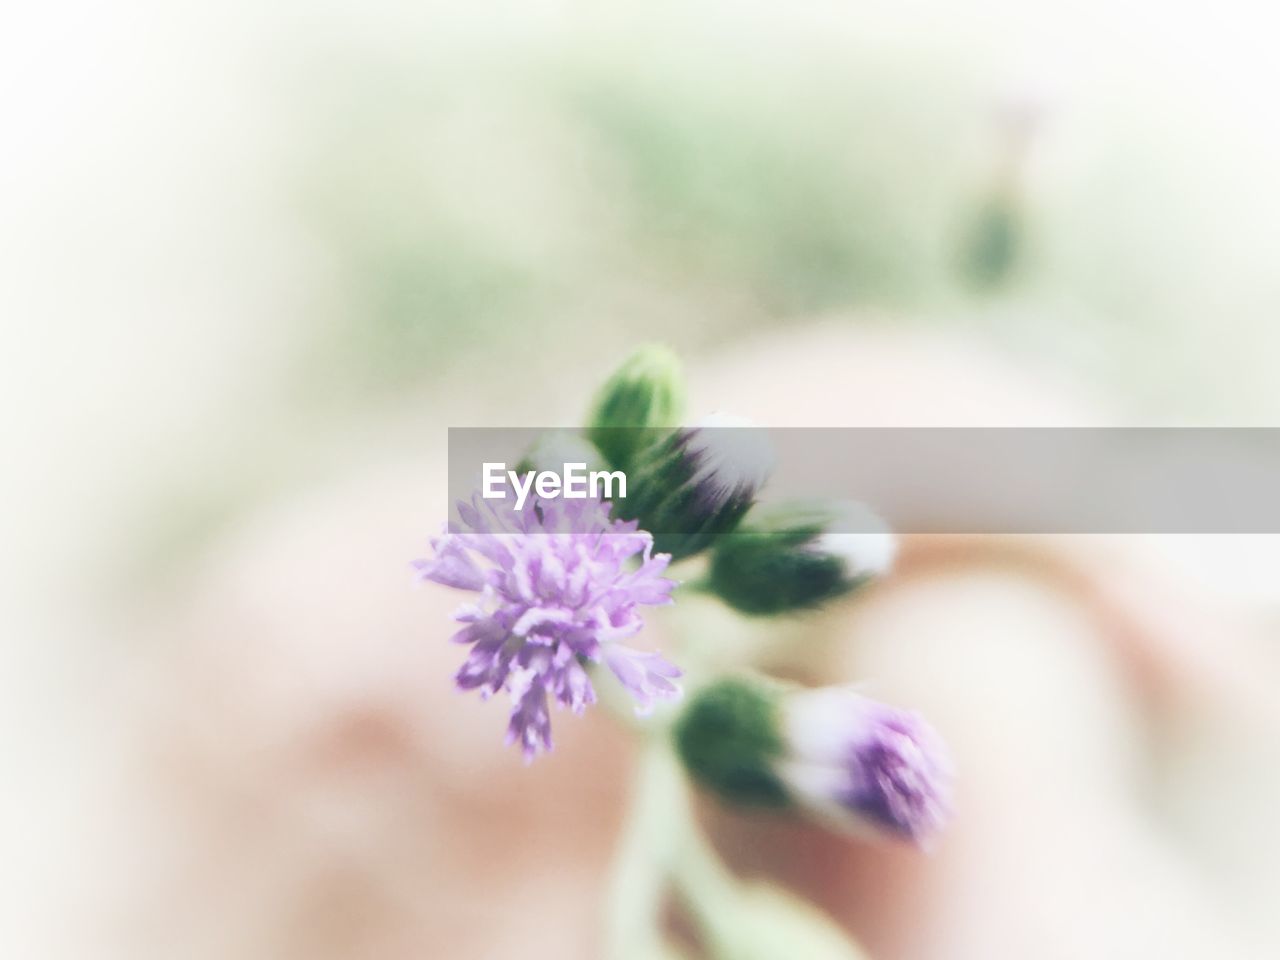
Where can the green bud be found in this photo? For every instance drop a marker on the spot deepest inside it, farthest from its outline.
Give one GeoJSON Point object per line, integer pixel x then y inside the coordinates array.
{"type": "Point", "coordinates": [697, 483]}
{"type": "Point", "coordinates": [995, 243]}
{"type": "Point", "coordinates": [552, 450]}
{"type": "Point", "coordinates": [798, 556]}
{"type": "Point", "coordinates": [645, 393]}
{"type": "Point", "coordinates": [729, 738]}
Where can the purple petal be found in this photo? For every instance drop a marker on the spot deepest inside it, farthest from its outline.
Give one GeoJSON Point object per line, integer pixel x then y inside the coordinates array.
{"type": "Point", "coordinates": [898, 771]}
{"type": "Point", "coordinates": [486, 667]}
{"type": "Point", "coordinates": [530, 723]}
{"type": "Point", "coordinates": [451, 566]}
{"type": "Point", "coordinates": [539, 616]}
{"type": "Point", "coordinates": [644, 674]}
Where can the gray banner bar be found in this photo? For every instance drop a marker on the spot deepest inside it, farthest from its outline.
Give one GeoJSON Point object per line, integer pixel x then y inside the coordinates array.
{"type": "Point", "coordinates": [1005, 481]}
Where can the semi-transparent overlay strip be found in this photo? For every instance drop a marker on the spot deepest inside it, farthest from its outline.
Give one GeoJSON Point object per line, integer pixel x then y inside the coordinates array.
{"type": "Point", "coordinates": [946, 480]}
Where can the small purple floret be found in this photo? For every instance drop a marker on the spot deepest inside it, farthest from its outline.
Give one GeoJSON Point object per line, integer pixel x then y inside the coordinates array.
{"type": "Point", "coordinates": [897, 773]}
{"type": "Point", "coordinates": [558, 588]}
{"type": "Point", "coordinates": [866, 765]}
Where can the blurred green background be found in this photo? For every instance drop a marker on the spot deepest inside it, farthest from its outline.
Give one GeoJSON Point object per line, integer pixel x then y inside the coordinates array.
{"type": "Point", "coordinates": [280, 219]}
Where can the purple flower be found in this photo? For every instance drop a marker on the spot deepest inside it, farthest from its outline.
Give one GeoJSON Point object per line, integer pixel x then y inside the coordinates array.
{"type": "Point", "coordinates": [864, 765]}
{"type": "Point", "coordinates": [558, 589]}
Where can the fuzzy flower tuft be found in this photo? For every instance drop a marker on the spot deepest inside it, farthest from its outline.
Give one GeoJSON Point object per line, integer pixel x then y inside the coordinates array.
{"type": "Point", "coordinates": [697, 482]}
{"type": "Point", "coordinates": [865, 765]}
{"type": "Point", "coordinates": [557, 590]}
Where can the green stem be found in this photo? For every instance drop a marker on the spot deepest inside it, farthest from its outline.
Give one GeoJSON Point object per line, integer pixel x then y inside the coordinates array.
{"type": "Point", "coordinates": [644, 858]}
{"type": "Point", "coordinates": [662, 844]}
{"type": "Point", "coordinates": [707, 889]}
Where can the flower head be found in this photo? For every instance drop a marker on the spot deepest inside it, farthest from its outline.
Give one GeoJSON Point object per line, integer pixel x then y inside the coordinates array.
{"type": "Point", "coordinates": [855, 764]}
{"type": "Point", "coordinates": [864, 764]}
{"type": "Point", "coordinates": [557, 591]}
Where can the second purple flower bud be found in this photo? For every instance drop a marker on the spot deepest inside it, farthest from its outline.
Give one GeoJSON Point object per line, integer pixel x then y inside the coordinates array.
{"type": "Point", "coordinates": [854, 763]}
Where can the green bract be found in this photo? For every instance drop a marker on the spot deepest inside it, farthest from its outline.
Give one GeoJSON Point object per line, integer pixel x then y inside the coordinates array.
{"type": "Point", "coordinates": [698, 482]}
{"type": "Point", "coordinates": [797, 556]}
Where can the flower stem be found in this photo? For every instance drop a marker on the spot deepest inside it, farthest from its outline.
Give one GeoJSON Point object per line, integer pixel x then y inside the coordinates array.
{"type": "Point", "coordinates": [633, 913]}
{"type": "Point", "coordinates": [710, 893]}
{"type": "Point", "coordinates": [661, 848]}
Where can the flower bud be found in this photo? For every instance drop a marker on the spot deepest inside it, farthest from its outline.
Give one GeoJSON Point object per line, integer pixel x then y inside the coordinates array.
{"type": "Point", "coordinates": [857, 765]}
{"type": "Point", "coordinates": [645, 393]}
{"type": "Point", "coordinates": [797, 556]}
{"type": "Point", "coordinates": [864, 766]}
{"type": "Point", "coordinates": [698, 482]}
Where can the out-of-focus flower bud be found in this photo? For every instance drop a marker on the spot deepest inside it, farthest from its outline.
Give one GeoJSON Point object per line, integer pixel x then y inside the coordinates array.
{"type": "Point", "coordinates": [865, 766]}
{"type": "Point", "coordinates": [698, 482]}
{"type": "Point", "coordinates": [643, 396]}
{"type": "Point", "coordinates": [797, 556]}
{"type": "Point", "coordinates": [857, 765]}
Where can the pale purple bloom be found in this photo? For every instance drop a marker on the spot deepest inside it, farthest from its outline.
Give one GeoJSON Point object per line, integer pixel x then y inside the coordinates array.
{"type": "Point", "coordinates": [559, 586]}
{"type": "Point", "coordinates": [866, 765]}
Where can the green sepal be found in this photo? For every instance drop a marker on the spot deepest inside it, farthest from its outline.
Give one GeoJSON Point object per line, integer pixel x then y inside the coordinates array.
{"type": "Point", "coordinates": [768, 566]}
